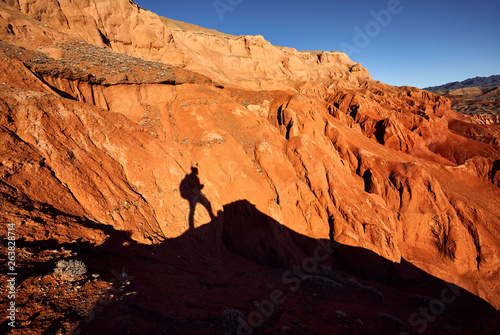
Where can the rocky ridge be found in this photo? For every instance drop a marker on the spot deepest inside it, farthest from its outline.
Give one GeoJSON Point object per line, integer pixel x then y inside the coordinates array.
{"type": "Point", "coordinates": [479, 96]}
{"type": "Point", "coordinates": [111, 120]}
{"type": "Point", "coordinates": [254, 62]}
{"type": "Point", "coordinates": [484, 102]}
{"type": "Point", "coordinates": [471, 82]}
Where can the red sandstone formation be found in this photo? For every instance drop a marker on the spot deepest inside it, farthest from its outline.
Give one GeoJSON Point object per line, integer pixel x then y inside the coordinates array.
{"type": "Point", "coordinates": [104, 109]}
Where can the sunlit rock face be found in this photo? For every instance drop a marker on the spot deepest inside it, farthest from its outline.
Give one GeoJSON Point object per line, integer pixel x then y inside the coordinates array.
{"type": "Point", "coordinates": [147, 143]}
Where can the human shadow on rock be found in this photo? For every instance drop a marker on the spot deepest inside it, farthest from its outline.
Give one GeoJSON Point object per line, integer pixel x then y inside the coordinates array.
{"type": "Point", "coordinates": [187, 284]}
{"type": "Point", "coordinates": [190, 189]}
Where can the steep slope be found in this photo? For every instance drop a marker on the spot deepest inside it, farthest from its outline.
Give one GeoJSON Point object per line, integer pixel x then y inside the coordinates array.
{"type": "Point", "coordinates": [96, 146]}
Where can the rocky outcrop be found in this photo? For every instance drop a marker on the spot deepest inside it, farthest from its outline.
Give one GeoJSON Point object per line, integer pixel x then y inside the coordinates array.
{"type": "Point", "coordinates": [287, 153]}
{"type": "Point", "coordinates": [246, 61]}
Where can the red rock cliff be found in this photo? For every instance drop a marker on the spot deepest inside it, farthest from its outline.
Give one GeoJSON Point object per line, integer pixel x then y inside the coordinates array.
{"type": "Point", "coordinates": [105, 107]}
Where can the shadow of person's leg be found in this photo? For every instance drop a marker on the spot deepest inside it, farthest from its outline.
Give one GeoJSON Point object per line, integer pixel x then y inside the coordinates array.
{"type": "Point", "coordinates": [192, 205]}
{"type": "Point", "coordinates": [204, 201]}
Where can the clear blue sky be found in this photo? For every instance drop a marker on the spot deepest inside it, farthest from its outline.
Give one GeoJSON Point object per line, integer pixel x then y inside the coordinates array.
{"type": "Point", "coordinates": [423, 42]}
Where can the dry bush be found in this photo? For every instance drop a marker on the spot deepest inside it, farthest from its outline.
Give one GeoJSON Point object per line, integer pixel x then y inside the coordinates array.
{"type": "Point", "coordinates": [71, 269]}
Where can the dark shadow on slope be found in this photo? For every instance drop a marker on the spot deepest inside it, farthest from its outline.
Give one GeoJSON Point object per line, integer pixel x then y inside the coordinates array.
{"type": "Point", "coordinates": [193, 283]}
{"type": "Point", "coordinates": [380, 130]}
{"type": "Point", "coordinates": [59, 92]}
{"type": "Point", "coordinates": [494, 171]}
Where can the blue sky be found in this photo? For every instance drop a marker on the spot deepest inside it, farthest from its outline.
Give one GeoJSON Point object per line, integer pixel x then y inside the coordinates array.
{"type": "Point", "coordinates": [401, 42]}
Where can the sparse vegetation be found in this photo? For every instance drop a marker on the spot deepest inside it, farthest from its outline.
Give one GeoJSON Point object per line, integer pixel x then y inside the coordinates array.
{"type": "Point", "coordinates": [369, 289]}
{"type": "Point", "coordinates": [230, 318]}
{"type": "Point", "coordinates": [70, 270]}
{"type": "Point", "coordinates": [341, 313]}
{"type": "Point", "coordinates": [328, 272]}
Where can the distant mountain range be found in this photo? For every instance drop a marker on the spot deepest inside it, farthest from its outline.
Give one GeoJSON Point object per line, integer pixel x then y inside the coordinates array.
{"type": "Point", "coordinates": [471, 82]}
{"type": "Point", "coordinates": [480, 95]}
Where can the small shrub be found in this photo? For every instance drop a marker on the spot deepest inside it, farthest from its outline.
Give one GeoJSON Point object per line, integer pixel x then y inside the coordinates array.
{"type": "Point", "coordinates": [231, 318]}
{"type": "Point", "coordinates": [368, 289]}
{"type": "Point", "coordinates": [328, 272]}
{"type": "Point", "coordinates": [71, 269]}
{"type": "Point", "coordinates": [372, 290]}
{"type": "Point", "coordinates": [354, 283]}
{"type": "Point", "coordinates": [341, 313]}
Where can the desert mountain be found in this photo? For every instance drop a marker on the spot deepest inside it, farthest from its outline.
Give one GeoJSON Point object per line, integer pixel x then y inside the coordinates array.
{"type": "Point", "coordinates": [475, 100]}
{"type": "Point", "coordinates": [196, 167]}
{"type": "Point", "coordinates": [471, 82]}
{"type": "Point", "coordinates": [247, 61]}
{"type": "Point", "coordinates": [480, 95]}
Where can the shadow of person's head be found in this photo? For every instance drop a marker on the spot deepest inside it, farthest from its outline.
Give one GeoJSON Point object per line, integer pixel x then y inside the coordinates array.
{"type": "Point", "coordinates": [194, 170]}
